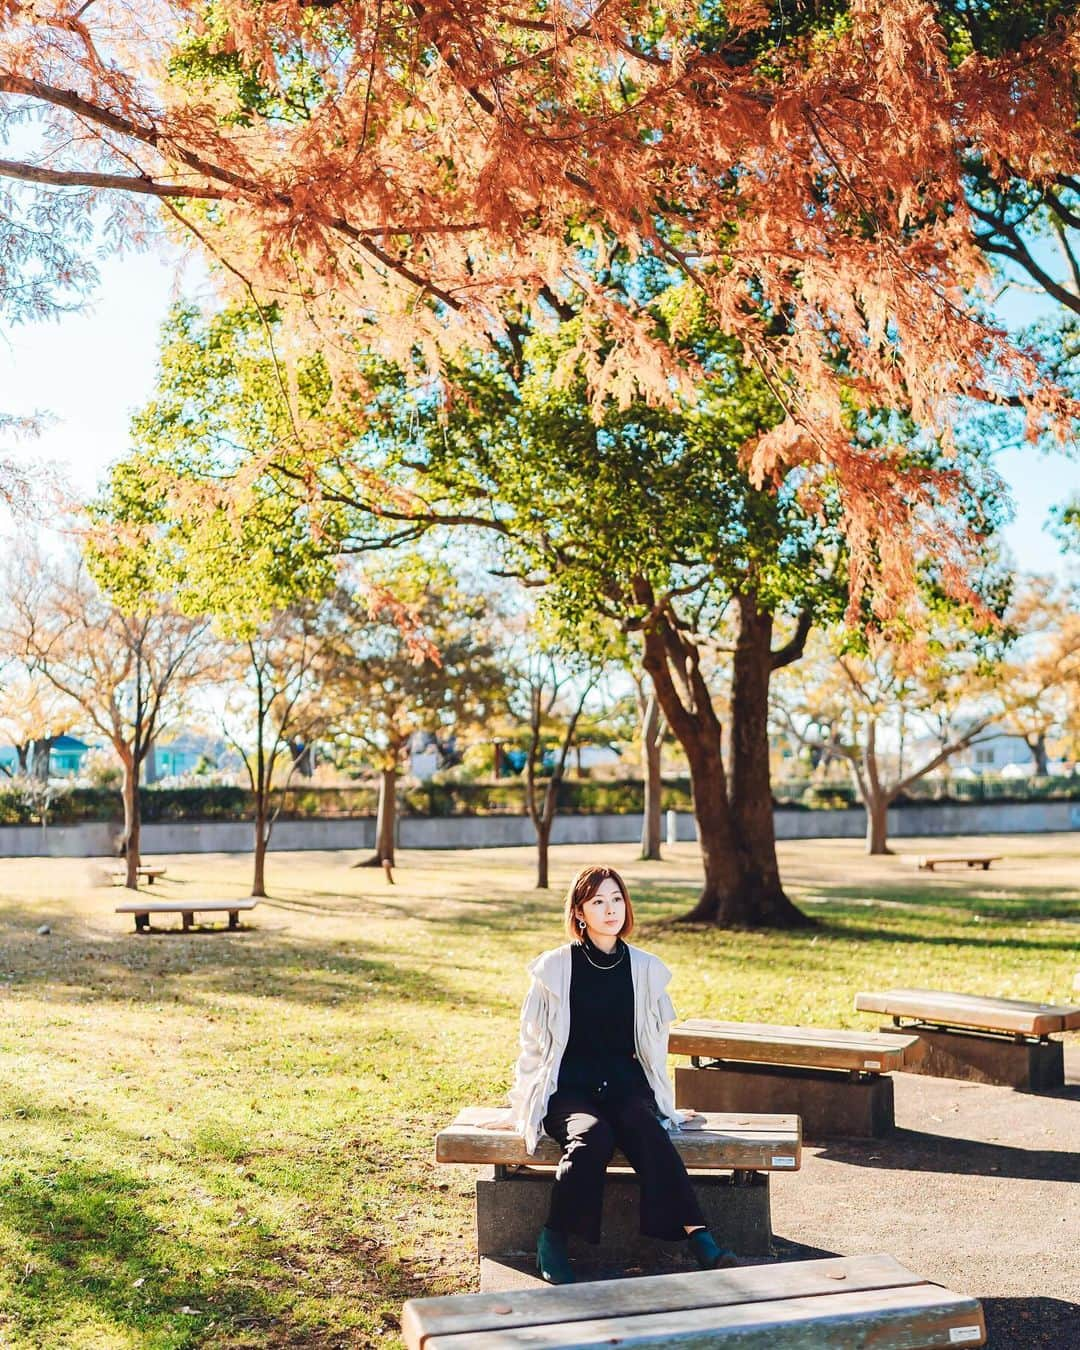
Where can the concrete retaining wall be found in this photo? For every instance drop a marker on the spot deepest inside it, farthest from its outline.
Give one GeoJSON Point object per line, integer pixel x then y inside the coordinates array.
{"type": "Point", "coordinates": [98, 839]}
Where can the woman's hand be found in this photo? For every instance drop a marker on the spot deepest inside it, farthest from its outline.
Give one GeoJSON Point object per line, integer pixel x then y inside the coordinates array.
{"type": "Point", "coordinates": [692, 1120]}
{"type": "Point", "coordinates": [496, 1120]}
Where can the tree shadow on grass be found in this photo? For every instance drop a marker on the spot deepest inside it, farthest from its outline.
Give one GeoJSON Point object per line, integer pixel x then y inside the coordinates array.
{"type": "Point", "coordinates": [1008, 902]}
{"type": "Point", "coordinates": [97, 1259]}
{"type": "Point", "coordinates": [916, 1151]}
{"type": "Point", "coordinates": [1031, 1323]}
{"type": "Point", "coordinates": [190, 968]}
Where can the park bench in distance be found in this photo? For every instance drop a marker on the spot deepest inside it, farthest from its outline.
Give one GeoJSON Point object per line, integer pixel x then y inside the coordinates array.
{"type": "Point", "coordinates": [837, 1302]}
{"type": "Point", "coordinates": [729, 1161]}
{"type": "Point", "coordinates": [142, 909]}
{"type": "Point", "coordinates": [150, 873]}
{"type": "Point", "coordinates": [836, 1081]}
{"type": "Point", "coordinates": [926, 862]}
{"type": "Point", "coordinates": [984, 1040]}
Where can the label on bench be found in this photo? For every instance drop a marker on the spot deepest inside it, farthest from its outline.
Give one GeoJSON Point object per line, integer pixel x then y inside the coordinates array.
{"type": "Point", "coordinates": [871, 1063]}
{"type": "Point", "coordinates": [964, 1335]}
{"type": "Point", "coordinates": [783, 1162]}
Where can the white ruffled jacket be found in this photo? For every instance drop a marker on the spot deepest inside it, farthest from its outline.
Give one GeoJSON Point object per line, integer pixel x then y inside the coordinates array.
{"type": "Point", "coordinates": [545, 1030]}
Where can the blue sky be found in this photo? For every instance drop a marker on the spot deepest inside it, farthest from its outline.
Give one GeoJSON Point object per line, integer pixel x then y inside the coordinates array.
{"type": "Point", "coordinates": [92, 369]}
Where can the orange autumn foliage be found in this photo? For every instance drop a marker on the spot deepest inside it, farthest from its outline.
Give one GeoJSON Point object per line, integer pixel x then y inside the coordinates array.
{"type": "Point", "coordinates": [407, 173]}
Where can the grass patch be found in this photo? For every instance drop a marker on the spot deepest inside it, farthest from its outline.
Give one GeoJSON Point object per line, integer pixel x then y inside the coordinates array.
{"type": "Point", "coordinates": [224, 1139]}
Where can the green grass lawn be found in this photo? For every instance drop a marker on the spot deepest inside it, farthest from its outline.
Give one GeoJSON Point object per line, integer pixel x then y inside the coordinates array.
{"type": "Point", "coordinates": [226, 1139]}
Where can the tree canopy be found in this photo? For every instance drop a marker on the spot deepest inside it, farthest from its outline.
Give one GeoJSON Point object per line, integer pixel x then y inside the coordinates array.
{"type": "Point", "coordinates": [417, 177]}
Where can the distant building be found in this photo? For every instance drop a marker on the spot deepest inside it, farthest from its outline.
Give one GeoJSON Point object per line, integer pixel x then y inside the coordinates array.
{"type": "Point", "coordinates": [184, 753]}
{"type": "Point", "coordinates": [65, 758]}
{"type": "Point", "coordinates": [992, 750]}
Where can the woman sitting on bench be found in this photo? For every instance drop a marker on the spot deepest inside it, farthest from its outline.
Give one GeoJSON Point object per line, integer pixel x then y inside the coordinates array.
{"type": "Point", "coordinates": [593, 1074]}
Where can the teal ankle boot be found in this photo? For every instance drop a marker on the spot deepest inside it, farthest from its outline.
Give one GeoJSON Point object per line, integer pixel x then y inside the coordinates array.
{"type": "Point", "coordinates": [709, 1254]}
{"type": "Point", "coordinates": [552, 1258]}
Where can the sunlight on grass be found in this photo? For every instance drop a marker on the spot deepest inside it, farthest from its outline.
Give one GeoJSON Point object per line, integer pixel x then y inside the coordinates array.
{"type": "Point", "coordinates": [226, 1138]}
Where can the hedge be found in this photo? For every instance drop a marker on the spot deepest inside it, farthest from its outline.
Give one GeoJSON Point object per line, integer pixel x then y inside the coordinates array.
{"type": "Point", "coordinates": [505, 797]}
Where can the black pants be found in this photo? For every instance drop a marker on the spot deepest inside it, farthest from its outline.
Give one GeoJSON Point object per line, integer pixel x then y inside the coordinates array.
{"type": "Point", "coordinates": [589, 1131]}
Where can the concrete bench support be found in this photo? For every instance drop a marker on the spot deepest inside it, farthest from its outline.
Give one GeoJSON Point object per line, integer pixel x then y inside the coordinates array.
{"type": "Point", "coordinates": [980, 1057]}
{"type": "Point", "coordinates": [832, 1104]}
{"type": "Point", "coordinates": [511, 1206]}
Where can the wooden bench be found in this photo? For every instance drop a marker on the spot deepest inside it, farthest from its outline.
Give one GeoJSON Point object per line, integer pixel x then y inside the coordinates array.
{"type": "Point", "coordinates": [142, 909]}
{"type": "Point", "coordinates": [837, 1302]}
{"type": "Point", "coordinates": [836, 1081]}
{"type": "Point", "coordinates": [926, 862]}
{"type": "Point", "coordinates": [730, 1161]}
{"type": "Point", "coordinates": [985, 1040]}
{"type": "Point", "coordinates": [150, 873]}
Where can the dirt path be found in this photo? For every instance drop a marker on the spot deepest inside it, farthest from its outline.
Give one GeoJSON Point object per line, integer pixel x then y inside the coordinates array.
{"type": "Point", "coordinates": [978, 1189]}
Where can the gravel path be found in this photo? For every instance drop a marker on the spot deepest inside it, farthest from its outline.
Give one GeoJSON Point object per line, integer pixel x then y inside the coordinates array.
{"type": "Point", "coordinates": [978, 1189]}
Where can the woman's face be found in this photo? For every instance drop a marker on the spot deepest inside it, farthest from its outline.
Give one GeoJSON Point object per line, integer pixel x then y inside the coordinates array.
{"type": "Point", "coordinates": [605, 912]}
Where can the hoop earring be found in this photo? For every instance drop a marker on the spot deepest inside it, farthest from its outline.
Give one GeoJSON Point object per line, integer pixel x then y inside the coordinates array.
{"type": "Point", "coordinates": [581, 924]}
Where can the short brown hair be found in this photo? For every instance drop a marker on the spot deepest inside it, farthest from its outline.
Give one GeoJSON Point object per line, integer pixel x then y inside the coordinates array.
{"type": "Point", "coordinates": [583, 887]}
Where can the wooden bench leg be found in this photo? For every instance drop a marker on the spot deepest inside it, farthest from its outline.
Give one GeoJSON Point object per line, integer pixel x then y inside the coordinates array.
{"type": "Point", "coordinates": [234, 918]}
{"type": "Point", "coordinates": [142, 923]}
{"type": "Point", "coordinates": [186, 918]}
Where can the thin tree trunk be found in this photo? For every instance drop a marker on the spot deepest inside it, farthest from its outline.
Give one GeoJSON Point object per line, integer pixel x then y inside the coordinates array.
{"type": "Point", "coordinates": [543, 839]}
{"type": "Point", "coordinates": [751, 782]}
{"type": "Point", "coordinates": [1037, 745]}
{"type": "Point", "coordinates": [875, 797]}
{"type": "Point", "coordinates": [262, 838]}
{"type": "Point", "coordinates": [650, 765]}
{"type": "Point", "coordinates": [132, 823]}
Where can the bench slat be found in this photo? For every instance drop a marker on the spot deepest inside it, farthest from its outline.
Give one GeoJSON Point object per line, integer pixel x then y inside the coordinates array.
{"type": "Point", "coordinates": [972, 1010]}
{"type": "Point", "coordinates": [897, 1311]}
{"type": "Point", "coordinates": [926, 862]}
{"type": "Point", "coordinates": [455, 1314]}
{"type": "Point", "coordinates": [762, 1143]}
{"type": "Point", "coordinates": [811, 1047]}
{"type": "Point", "coordinates": [183, 906]}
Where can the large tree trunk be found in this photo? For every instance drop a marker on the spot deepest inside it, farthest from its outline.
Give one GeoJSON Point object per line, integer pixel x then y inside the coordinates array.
{"type": "Point", "coordinates": [751, 780]}
{"type": "Point", "coordinates": [132, 823]}
{"type": "Point", "coordinates": [262, 839]}
{"type": "Point", "coordinates": [1037, 745]}
{"type": "Point", "coordinates": [650, 764]}
{"type": "Point", "coordinates": [877, 825]}
{"type": "Point", "coordinates": [738, 891]}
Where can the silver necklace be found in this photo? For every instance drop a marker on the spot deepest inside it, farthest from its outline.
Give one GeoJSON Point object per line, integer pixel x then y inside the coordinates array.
{"type": "Point", "coordinates": [585, 953]}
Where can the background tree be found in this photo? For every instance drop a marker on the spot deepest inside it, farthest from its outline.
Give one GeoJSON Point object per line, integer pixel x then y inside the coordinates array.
{"type": "Point", "coordinates": [553, 670]}
{"type": "Point", "coordinates": [859, 702]}
{"type": "Point", "coordinates": [408, 650]}
{"type": "Point", "coordinates": [1040, 679]}
{"type": "Point", "coordinates": [129, 673]}
{"type": "Point", "coordinates": [650, 517]}
{"type": "Point", "coordinates": [274, 708]}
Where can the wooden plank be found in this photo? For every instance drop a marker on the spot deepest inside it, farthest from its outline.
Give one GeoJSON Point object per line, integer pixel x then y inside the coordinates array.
{"type": "Point", "coordinates": [971, 1010]}
{"type": "Point", "coordinates": [455, 1314]}
{"type": "Point", "coordinates": [761, 1143]}
{"type": "Point", "coordinates": [183, 906]}
{"type": "Point", "coordinates": [809, 1047]}
{"type": "Point", "coordinates": [910, 1317]}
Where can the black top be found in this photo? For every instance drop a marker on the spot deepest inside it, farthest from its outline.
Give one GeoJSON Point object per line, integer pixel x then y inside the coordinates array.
{"type": "Point", "coordinates": [600, 1054]}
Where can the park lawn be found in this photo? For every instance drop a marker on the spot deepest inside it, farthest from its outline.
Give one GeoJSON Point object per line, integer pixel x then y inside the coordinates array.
{"type": "Point", "coordinates": [226, 1139]}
